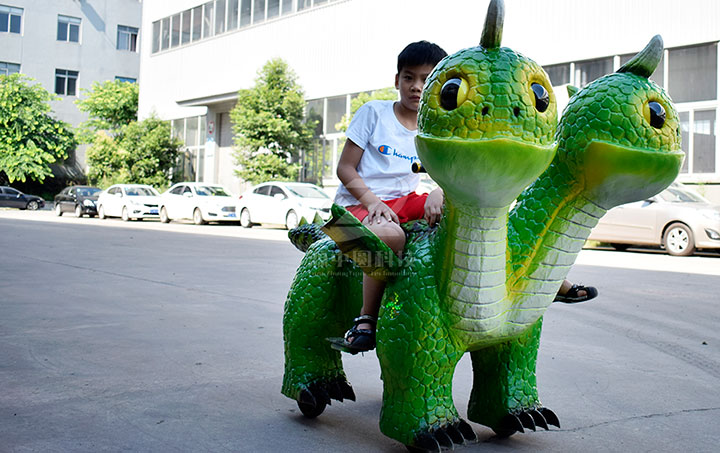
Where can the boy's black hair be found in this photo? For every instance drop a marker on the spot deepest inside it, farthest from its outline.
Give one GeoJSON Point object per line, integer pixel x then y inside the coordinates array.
{"type": "Point", "coordinates": [419, 53]}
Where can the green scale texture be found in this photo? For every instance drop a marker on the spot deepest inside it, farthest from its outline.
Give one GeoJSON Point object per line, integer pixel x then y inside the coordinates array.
{"type": "Point", "coordinates": [605, 153]}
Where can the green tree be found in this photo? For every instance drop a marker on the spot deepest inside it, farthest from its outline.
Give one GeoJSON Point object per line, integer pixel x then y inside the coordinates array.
{"type": "Point", "coordinates": [384, 94]}
{"type": "Point", "coordinates": [30, 138]}
{"type": "Point", "coordinates": [268, 121]}
{"type": "Point", "coordinates": [110, 106]}
{"type": "Point", "coordinates": [142, 152]}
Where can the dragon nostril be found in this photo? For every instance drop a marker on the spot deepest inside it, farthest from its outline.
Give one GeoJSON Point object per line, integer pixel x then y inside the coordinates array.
{"type": "Point", "coordinates": [485, 110]}
{"type": "Point", "coordinates": [516, 111]}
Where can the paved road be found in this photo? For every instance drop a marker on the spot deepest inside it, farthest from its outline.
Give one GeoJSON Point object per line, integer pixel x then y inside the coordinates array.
{"type": "Point", "coordinates": [133, 339]}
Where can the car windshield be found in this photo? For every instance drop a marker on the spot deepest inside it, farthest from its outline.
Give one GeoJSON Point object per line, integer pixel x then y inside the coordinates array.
{"type": "Point", "coordinates": [87, 191]}
{"type": "Point", "coordinates": [139, 192]}
{"type": "Point", "coordinates": [307, 192]}
{"type": "Point", "coordinates": [211, 191]}
{"type": "Point", "coordinates": [680, 194]}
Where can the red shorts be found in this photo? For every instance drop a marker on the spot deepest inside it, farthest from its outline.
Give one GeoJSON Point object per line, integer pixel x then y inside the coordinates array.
{"type": "Point", "coordinates": [410, 207]}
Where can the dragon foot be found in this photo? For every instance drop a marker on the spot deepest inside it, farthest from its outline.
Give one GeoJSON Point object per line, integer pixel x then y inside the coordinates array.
{"type": "Point", "coordinates": [529, 418]}
{"type": "Point", "coordinates": [317, 395]}
{"type": "Point", "coordinates": [446, 437]}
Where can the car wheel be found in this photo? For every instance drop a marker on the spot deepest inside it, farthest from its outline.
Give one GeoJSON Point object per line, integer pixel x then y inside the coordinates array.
{"type": "Point", "coordinates": [291, 220]}
{"type": "Point", "coordinates": [33, 205]}
{"type": "Point", "coordinates": [620, 247]}
{"type": "Point", "coordinates": [125, 215]}
{"type": "Point", "coordinates": [58, 209]}
{"type": "Point", "coordinates": [197, 217]}
{"type": "Point", "coordinates": [78, 211]}
{"type": "Point", "coordinates": [679, 240]}
{"type": "Point", "coordinates": [163, 215]}
{"type": "Point", "coordinates": [245, 219]}
{"type": "Point", "coordinates": [101, 212]}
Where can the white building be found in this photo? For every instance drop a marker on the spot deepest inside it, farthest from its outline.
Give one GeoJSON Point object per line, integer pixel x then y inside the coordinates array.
{"type": "Point", "coordinates": [66, 45]}
{"type": "Point", "coordinates": [195, 56]}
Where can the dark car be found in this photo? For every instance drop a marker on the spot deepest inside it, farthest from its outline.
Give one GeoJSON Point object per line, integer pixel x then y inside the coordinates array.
{"type": "Point", "coordinates": [82, 200]}
{"type": "Point", "coordinates": [13, 198]}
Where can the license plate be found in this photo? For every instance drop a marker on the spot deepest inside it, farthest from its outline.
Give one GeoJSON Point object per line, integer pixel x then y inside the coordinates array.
{"type": "Point", "coordinates": [231, 215]}
{"type": "Point", "coordinates": [153, 211]}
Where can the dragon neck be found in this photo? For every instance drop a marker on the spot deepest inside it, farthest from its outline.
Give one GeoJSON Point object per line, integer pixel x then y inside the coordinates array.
{"type": "Point", "coordinates": [472, 248]}
{"type": "Point", "coordinates": [550, 232]}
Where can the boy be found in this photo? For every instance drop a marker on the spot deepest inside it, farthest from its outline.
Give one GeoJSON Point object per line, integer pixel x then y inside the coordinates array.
{"type": "Point", "coordinates": [378, 186]}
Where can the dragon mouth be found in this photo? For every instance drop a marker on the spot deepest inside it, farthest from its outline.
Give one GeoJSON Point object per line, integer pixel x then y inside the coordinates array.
{"type": "Point", "coordinates": [623, 174]}
{"type": "Point", "coordinates": [486, 173]}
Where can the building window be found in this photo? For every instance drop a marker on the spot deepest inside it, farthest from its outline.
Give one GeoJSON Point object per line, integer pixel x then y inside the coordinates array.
{"type": "Point", "coordinates": [68, 29]}
{"type": "Point", "coordinates": [245, 12]}
{"type": "Point", "coordinates": [287, 7]}
{"type": "Point", "coordinates": [273, 8]}
{"type": "Point", "coordinates": [125, 79]}
{"type": "Point", "coordinates": [156, 37]}
{"type": "Point", "coordinates": [66, 82]}
{"type": "Point", "coordinates": [303, 4]}
{"type": "Point", "coordinates": [208, 19]}
{"type": "Point", "coordinates": [186, 27]}
{"type": "Point", "coordinates": [9, 68]}
{"type": "Point", "coordinates": [196, 23]}
{"type": "Point", "coordinates": [692, 73]}
{"type": "Point", "coordinates": [10, 19]}
{"type": "Point", "coordinates": [165, 34]}
{"type": "Point", "coordinates": [233, 14]}
{"type": "Point", "coordinates": [175, 35]}
{"type": "Point", "coordinates": [127, 38]}
{"type": "Point", "coordinates": [559, 74]}
{"type": "Point", "coordinates": [587, 71]}
{"type": "Point", "coordinates": [219, 17]}
{"type": "Point", "coordinates": [259, 11]}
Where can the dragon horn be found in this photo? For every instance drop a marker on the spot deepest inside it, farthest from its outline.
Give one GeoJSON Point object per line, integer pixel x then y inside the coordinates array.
{"type": "Point", "coordinates": [492, 32]}
{"type": "Point", "coordinates": [644, 63]}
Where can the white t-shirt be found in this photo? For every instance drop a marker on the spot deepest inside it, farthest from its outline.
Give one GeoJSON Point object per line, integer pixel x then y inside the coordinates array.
{"type": "Point", "coordinates": [389, 147]}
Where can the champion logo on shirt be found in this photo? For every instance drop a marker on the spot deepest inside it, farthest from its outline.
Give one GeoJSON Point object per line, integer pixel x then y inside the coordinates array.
{"type": "Point", "coordinates": [387, 150]}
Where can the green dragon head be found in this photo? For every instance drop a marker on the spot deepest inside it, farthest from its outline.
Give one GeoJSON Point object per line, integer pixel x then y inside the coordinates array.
{"type": "Point", "coordinates": [620, 134]}
{"type": "Point", "coordinates": [487, 121]}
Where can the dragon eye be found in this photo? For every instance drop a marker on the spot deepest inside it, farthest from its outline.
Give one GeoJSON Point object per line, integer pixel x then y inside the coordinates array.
{"type": "Point", "coordinates": [453, 93]}
{"type": "Point", "coordinates": [542, 98]}
{"type": "Point", "coordinates": [657, 115]}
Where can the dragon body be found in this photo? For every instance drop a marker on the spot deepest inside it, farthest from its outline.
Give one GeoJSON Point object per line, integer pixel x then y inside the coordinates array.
{"type": "Point", "coordinates": [481, 280]}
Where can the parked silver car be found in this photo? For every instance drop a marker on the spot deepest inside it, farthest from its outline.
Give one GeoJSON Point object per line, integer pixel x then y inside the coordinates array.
{"type": "Point", "coordinates": [283, 203]}
{"type": "Point", "coordinates": [197, 201]}
{"type": "Point", "coordinates": [128, 201]}
{"type": "Point", "coordinates": [678, 219]}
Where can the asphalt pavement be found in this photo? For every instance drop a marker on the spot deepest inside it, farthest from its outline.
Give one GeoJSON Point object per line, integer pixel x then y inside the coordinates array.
{"type": "Point", "coordinates": [144, 337]}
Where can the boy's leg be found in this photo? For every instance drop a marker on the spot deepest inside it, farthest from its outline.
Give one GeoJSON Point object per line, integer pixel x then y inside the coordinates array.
{"type": "Point", "coordinates": [394, 236]}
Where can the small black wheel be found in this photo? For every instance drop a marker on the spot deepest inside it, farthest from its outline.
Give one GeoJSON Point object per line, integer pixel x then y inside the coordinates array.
{"type": "Point", "coordinates": [291, 220]}
{"type": "Point", "coordinates": [311, 410]}
{"type": "Point", "coordinates": [678, 240]}
{"type": "Point", "coordinates": [163, 215]}
{"type": "Point", "coordinates": [619, 247]}
{"type": "Point", "coordinates": [101, 212]}
{"type": "Point", "coordinates": [198, 217]}
{"type": "Point", "coordinates": [33, 205]}
{"type": "Point", "coordinates": [78, 211]}
{"type": "Point", "coordinates": [125, 215]}
{"type": "Point", "coordinates": [58, 209]}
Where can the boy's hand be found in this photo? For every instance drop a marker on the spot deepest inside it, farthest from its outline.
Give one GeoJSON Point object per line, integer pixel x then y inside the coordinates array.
{"type": "Point", "coordinates": [378, 210]}
{"type": "Point", "coordinates": [434, 206]}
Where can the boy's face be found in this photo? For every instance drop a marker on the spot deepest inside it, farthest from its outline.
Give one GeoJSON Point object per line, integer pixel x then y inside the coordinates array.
{"type": "Point", "coordinates": [409, 82]}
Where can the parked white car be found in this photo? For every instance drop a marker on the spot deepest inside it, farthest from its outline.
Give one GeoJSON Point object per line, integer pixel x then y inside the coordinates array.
{"type": "Point", "coordinates": [128, 201]}
{"type": "Point", "coordinates": [283, 203]}
{"type": "Point", "coordinates": [197, 201]}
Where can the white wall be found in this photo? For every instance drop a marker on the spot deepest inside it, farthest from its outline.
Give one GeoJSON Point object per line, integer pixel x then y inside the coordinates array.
{"type": "Point", "coordinates": [352, 45]}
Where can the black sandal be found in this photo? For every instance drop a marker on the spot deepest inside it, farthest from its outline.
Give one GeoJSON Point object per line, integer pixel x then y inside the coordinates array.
{"type": "Point", "coordinates": [572, 296]}
{"type": "Point", "coordinates": [363, 340]}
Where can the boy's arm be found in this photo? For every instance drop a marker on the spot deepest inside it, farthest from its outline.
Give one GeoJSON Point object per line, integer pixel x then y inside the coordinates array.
{"type": "Point", "coordinates": [348, 175]}
{"type": "Point", "coordinates": [434, 206]}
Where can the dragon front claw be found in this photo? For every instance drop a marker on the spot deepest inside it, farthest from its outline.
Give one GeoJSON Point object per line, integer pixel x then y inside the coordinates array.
{"type": "Point", "coordinates": [317, 395]}
{"type": "Point", "coordinates": [445, 437]}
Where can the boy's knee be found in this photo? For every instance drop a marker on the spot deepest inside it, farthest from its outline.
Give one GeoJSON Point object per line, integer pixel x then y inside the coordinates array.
{"type": "Point", "coordinates": [391, 234]}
